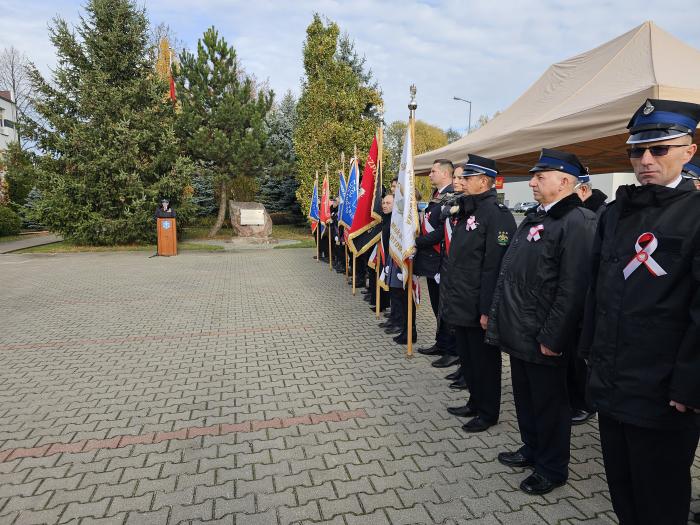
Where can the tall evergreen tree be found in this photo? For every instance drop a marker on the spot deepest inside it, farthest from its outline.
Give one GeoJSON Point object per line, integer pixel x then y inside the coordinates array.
{"type": "Point", "coordinates": [278, 185]}
{"type": "Point", "coordinates": [222, 122]}
{"type": "Point", "coordinates": [106, 129]}
{"type": "Point", "coordinates": [332, 110]}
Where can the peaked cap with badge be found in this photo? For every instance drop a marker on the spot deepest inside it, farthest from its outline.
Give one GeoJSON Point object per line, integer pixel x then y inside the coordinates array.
{"type": "Point", "coordinates": [556, 160]}
{"type": "Point", "coordinates": [657, 120]}
{"type": "Point", "coordinates": [477, 165]}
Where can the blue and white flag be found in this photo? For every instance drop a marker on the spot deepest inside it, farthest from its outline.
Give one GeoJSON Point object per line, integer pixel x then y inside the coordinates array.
{"type": "Point", "coordinates": [341, 192]}
{"type": "Point", "coordinates": [313, 207]}
{"type": "Point", "coordinates": [351, 193]}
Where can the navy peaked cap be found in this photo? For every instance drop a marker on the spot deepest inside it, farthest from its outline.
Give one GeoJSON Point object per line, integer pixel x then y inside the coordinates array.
{"type": "Point", "coordinates": [555, 160]}
{"type": "Point", "coordinates": [662, 120]}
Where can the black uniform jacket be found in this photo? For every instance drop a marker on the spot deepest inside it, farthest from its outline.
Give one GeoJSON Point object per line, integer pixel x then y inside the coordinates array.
{"type": "Point", "coordinates": [470, 270]}
{"type": "Point", "coordinates": [163, 214]}
{"type": "Point", "coordinates": [427, 259]}
{"type": "Point", "coordinates": [596, 202]}
{"type": "Point", "coordinates": [642, 334]}
{"type": "Point", "coordinates": [542, 284]}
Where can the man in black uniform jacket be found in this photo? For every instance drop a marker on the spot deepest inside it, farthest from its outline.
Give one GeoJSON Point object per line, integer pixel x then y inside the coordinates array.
{"type": "Point", "coordinates": [536, 315]}
{"type": "Point", "coordinates": [481, 231]}
{"type": "Point", "coordinates": [577, 372]}
{"type": "Point", "coordinates": [164, 211]}
{"type": "Point", "coordinates": [428, 257]}
{"type": "Point", "coordinates": [642, 324]}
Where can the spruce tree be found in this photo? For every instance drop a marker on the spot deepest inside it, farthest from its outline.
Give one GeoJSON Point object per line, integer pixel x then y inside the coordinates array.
{"type": "Point", "coordinates": [332, 113]}
{"type": "Point", "coordinates": [278, 185]}
{"type": "Point", "coordinates": [222, 123]}
{"type": "Point", "coordinates": [106, 128]}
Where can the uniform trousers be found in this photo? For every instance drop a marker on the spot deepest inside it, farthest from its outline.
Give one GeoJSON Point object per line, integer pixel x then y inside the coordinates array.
{"type": "Point", "coordinates": [444, 339]}
{"type": "Point", "coordinates": [400, 299]}
{"type": "Point", "coordinates": [481, 369]}
{"type": "Point", "coordinates": [544, 416]}
{"type": "Point", "coordinates": [648, 471]}
{"type": "Point", "coordinates": [577, 376]}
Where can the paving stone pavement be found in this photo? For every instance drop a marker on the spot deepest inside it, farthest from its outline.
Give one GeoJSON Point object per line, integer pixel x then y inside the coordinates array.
{"type": "Point", "coordinates": [240, 388]}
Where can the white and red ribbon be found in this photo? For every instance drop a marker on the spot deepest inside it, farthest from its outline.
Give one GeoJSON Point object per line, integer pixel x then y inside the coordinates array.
{"type": "Point", "coordinates": [471, 223]}
{"type": "Point", "coordinates": [427, 228]}
{"type": "Point", "coordinates": [448, 235]}
{"type": "Point", "coordinates": [643, 256]}
{"type": "Point", "coordinates": [534, 234]}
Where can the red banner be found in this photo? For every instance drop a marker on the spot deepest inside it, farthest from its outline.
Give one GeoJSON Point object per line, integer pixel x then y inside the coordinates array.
{"type": "Point", "coordinates": [325, 209]}
{"type": "Point", "coordinates": [499, 183]}
{"type": "Point", "coordinates": [362, 234]}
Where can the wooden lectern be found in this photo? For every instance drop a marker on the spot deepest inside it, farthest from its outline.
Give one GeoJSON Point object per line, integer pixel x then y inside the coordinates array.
{"type": "Point", "coordinates": [167, 237]}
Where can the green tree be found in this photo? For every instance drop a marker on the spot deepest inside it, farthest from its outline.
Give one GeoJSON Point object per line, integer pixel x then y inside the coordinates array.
{"type": "Point", "coordinates": [452, 135]}
{"type": "Point", "coordinates": [106, 129]}
{"type": "Point", "coordinates": [332, 113]}
{"type": "Point", "coordinates": [278, 185]}
{"type": "Point", "coordinates": [222, 122]}
{"type": "Point", "coordinates": [21, 174]}
{"type": "Point", "coordinates": [428, 138]}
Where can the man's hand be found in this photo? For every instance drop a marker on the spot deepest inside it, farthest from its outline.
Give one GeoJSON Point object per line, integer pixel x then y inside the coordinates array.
{"type": "Point", "coordinates": [683, 408]}
{"type": "Point", "coordinates": [546, 351]}
{"type": "Point", "coordinates": [484, 321]}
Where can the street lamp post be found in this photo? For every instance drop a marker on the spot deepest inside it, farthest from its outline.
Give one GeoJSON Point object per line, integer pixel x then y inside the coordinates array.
{"type": "Point", "coordinates": [469, 129]}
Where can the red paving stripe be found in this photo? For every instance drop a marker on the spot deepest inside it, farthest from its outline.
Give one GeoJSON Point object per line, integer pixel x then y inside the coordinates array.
{"type": "Point", "coordinates": [184, 433]}
{"type": "Point", "coordinates": [153, 338]}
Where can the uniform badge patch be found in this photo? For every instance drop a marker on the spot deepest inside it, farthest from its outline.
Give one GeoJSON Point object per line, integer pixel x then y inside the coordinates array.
{"type": "Point", "coordinates": [502, 239]}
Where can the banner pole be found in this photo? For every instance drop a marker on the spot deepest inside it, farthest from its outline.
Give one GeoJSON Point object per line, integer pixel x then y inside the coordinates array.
{"type": "Point", "coordinates": [354, 263]}
{"type": "Point", "coordinates": [377, 293]}
{"type": "Point", "coordinates": [409, 330]}
{"type": "Point", "coordinates": [412, 106]}
{"type": "Point", "coordinates": [330, 251]}
{"type": "Point", "coordinates": [318, 241]}
{"type": "Point", "coordinates": [346, 262]}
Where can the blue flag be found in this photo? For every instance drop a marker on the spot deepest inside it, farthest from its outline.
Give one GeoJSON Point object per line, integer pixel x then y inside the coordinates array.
{"type": "Point", "coordinates": [341, 193]}
{"type": "Point", "coordinates": [350, 201]}
{"type": "Point", "coordinates": [313, 209]}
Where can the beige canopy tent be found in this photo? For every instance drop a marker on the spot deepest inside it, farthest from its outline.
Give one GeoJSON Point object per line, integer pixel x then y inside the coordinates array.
{"type": "Point", "coordinates": [583, 104]}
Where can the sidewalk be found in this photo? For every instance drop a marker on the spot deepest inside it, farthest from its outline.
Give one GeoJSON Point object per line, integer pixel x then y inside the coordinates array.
{"type": "Point", "coordinates": [31, 240]}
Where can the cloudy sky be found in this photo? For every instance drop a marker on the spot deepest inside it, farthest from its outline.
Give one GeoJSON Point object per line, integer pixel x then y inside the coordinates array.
{"type": "Point", "coordinates": [486, 51]}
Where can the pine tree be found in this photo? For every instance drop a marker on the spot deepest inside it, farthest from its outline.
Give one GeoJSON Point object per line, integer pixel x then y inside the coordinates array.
{"type": "Point", "coordinates": [332, 110]}
{"type": "Point", "coordinates": [106, 130]}
{"type": "Point", "coordinates": [222, 122]}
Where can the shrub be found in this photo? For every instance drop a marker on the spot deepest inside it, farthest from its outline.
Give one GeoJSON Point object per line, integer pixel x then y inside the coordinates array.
{"type": "Point", "coordinates": [10, 222]}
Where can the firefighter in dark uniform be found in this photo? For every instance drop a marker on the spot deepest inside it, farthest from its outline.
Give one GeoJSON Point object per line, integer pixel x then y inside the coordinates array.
{"type": "Point", "coordinates": [577, 372]}
{"type": "Point", "coordinates": [692, 171]}
{"type": "Point", "coordinates": [481, 230]}
{"type": "Point", "coordinates": [164, 211]}
{"type": "Point", "coordinates": [642, 325]}
{"type": "Point", "coordinates": [428, 258]}
{"type": "Point", "coordinates": [536, 315]}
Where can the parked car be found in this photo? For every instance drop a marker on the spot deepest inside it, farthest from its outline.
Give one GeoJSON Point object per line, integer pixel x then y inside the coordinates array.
{"type": "Point", "coordinates": [522, 207]}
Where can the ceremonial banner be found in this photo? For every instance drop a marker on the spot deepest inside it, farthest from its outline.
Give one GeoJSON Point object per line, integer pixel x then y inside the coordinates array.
{"type": "Point", "coordinates": [342, 190]}
{"type": "Point", "coordinates": [313, 208]}
{"type": "Point", "coordinates": [347, 213]}
{"type": "Point", "coordinates": [404, 214]}
{"type": "Point", "coordinates": [324, 212]}
{"type": "Point", "coordinates": [367, 224]}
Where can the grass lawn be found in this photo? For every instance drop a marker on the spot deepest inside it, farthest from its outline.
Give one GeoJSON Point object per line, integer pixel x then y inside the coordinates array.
{"type": "Point", "coordinates": [292, 231]}
{"type": "Point", "coordinates": [68, 247]}
{"type": "Point", "coordinates": [10, 238]}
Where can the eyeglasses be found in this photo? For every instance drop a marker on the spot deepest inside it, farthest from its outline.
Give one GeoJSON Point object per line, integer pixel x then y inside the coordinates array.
{"type": "Point", "coordinates": [637, 152]}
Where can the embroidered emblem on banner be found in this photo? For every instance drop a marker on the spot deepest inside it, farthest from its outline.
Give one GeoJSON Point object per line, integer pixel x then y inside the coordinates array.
{"type": "Point", "coordinates": [643, 256]}
{"type": "Point", "coordinates": [534, 234]}
{"type": "Point", "coordinates": [471, 223]}
{"type": "Point", "coordinates": [502, 238]}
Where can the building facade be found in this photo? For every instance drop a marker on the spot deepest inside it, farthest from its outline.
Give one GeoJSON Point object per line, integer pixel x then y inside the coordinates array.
{"type": "Point", "coordinates": [8, 120]}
